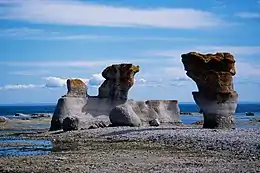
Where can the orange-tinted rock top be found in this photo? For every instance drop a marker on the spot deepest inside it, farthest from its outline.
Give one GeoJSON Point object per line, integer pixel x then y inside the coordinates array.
{"type": "Point", "coordinates": [213, 73]}
{"type": "Point", "coordinates": [76, 87]}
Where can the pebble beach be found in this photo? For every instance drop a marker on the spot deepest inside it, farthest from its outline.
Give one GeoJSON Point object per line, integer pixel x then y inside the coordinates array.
{"type": "Point", "coordinates": [167, 148]}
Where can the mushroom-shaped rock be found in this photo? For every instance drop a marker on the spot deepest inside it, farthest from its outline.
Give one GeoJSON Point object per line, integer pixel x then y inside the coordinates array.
{"type": "Point", "coordinates": [119, 79]}
{"type": "Point", "coordinates": [123, 115]}
{"type": "Point", "coordinates": [76, 88]}
{"type": "Point", "coordinates": [213, 74]}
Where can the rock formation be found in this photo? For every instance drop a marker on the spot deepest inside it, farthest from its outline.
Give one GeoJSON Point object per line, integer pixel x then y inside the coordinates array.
{"type": "Point", "coordinates": [111, 104]}
{"type": "Point", "coordinates": [213, 74]}
{"type": "Point", "coordinates": [124, 115]}
{"type": "Point", "coordinates": [119, 79]}
{"type": "Point", "coordinates": [70, 104]}
{"type": "Point", "coordinates": [151, 112]}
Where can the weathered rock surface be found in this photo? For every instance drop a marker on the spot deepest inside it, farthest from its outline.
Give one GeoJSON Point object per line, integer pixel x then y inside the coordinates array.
{"type": "Point", "coordinates": [3, 119]}
{"type": "Point", "coordinates": [146, 112]}
{"type": "Point", "coordinates": [119, 79]}
{"type": "Point", "coordinates": [67, 107]}
{"type": "Point", "coordinates": [76, 88]}
{"type": "Point", "coordinates": [124, 115]}
{"type": "Point", "coordinates": [112, 97]}
{"type": "Point", "coordinates": [155, 122]}
{"type": "Point", "coordinates": [213, 74]}
{"type": "Point", "coordinates": [70, 123]}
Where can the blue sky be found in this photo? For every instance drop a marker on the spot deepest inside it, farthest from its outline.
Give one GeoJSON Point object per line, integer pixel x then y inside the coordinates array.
{"type": "Point", "coordinates": [44, 42]}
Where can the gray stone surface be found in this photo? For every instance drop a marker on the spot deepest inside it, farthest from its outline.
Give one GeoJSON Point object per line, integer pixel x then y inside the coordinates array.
{"type": "Point", "coordinates": [155, 122]}
{"type": "Point", "coordinates": [70, 123]}
{"type": "Point", "coordinates": [123, 115]}
{"type": "Point", "coordinates": [163, 111]}
{"type": "Point", "coordinates": [119, 79]}
{"type": "Point", "coordinates": [217, 114]}
{"type": "Point", "coordinates": [67, 107]}
{"type": "Point", "coordinates": [163, 149]}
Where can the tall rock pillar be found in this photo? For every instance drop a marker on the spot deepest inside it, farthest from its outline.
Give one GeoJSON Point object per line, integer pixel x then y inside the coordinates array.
{"type": "Point", "coordinates": [71, 104]}
{"type": "Point", "coordinates": [213, 74]}
{"type": "Point", "coordinates": [119, 79]}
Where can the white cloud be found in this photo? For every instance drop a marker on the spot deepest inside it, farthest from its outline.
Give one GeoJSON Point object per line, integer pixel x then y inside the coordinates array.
{"type": "Point", "coordinates": [53, 82]}
{"type": "Point", "coordinates": [40, 34]}
{"type": "Point", "coordinates": [242, 53]}
{"type": "Point", "coordinates": [64, 63]}
{"type": "Point", "coordinates": [247, 69]}
{"type": "Point", "coordinates": [29, 72]}
{"type": "Point", "coordinates": [80, 63]}
{"type": "Point", "coordinates": [23, 31]}
{"type": "Point", "coordinates": [19, 86]}
{"type": "Point", "coordinates": [217, 4]}
{"type": "Point", "coordinates": [79, 13]}
{"type": "Point", "coordinates": [236, 50]}
{"type": "Point", "coordinates": [248, 15]}
{"type": "Point", "coordinates": [96, 80]}
{"type": "Point", "coordinates": [175, 71]}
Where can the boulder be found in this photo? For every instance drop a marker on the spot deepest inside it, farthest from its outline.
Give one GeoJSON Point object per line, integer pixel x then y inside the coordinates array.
{"type": "Point", "coordinates": [21, 115]}
{"type": "Point", "coordinates": [123, 115]}
{"type": "Point", "coordinates": [119, 79]}
{"type": "Point", "coordinates": [76, 88]}
{"type": "Point", "coordinates": [70, 123]}
{"type": "Point", "coordinates": [152, 112]}
{"type": "Point", "coordinates": [3, 119]}
{"type": "Point", "coordinates": [213, 74]}
{"type": "Point", "coordinates": [154, 122]}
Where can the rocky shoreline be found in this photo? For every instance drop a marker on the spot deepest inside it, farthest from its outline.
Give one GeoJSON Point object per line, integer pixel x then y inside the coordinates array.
{"type": "Point", "coordinates": [143, 149]}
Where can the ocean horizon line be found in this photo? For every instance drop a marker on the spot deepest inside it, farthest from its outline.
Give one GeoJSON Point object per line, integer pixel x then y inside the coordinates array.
{"type": "Point", "coordinates": [54, 104]}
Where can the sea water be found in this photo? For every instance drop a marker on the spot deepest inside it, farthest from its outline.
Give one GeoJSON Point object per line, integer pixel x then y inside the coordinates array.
{"type": "Point", "coordinates": [184, 107]}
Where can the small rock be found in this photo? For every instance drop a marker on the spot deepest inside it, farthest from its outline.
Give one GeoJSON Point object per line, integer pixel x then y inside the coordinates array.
{"type": "Point", "coordinates": [40, 115]}
{"type": "Point", "coordinates": [93, 127]}
{"type": "Point", "coordinates": [200, 122]}
{"type": "Point", "coordinates": [124, 115]}
{"type": "Point", "coordinates": [70, 123]}
{"type": "Point", "coordinates": [3, 119]}
{"type": "Point", "coordinates": [102, 125]}
{"type": "Point", "coordinates": [154, 122]}
{"type": "Point", "coordinates": [20, 115]}
{"type": "Point", "coordinates": [98, 125]}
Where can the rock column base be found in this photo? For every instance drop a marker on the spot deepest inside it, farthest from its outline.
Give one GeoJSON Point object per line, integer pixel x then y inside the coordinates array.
{"type": "Point", "coordinates": [215, 121]}
{"type": "Point", "coordinates": [217, 115]}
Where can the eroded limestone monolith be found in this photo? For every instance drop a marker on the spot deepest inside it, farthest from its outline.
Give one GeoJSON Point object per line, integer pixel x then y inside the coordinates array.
{"type": "Point", "coordinates": [119, 79]}
{"type": "Point", "coordinates": [70, 104]}
{"type": "Point", "coordinates": [213, 74]}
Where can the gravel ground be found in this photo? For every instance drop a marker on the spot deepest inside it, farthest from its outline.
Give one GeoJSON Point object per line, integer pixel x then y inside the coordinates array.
{"type": "Point", "coordinates": [144, 149]}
